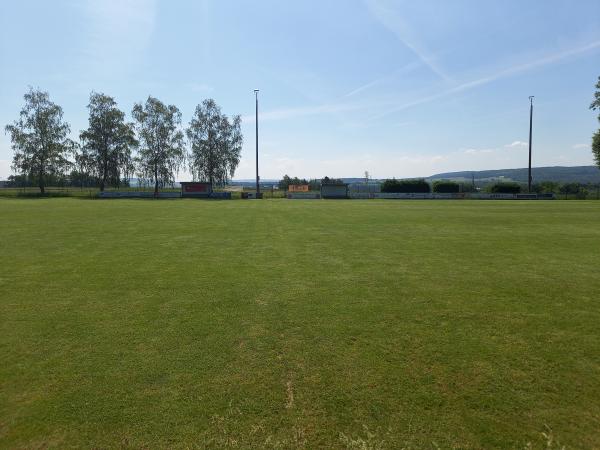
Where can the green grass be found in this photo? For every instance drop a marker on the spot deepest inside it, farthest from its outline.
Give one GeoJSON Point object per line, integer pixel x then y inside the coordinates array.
{"type": "Point", "coordinates": [298, 324]}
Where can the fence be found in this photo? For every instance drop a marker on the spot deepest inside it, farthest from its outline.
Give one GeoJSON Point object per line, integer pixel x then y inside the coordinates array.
{"type": "Point", "coordinates": [303, 195]}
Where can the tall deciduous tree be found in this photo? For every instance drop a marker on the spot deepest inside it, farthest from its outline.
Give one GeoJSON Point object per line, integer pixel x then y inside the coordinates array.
{"type": "Point", "coordinates": [216, 143]}
{"type": "Point", "coordinates": [108, 141]}
{"type": "Point", "coordinates": [596, 138]}
{"type": "Point", "coordinates": [39, 139]}
{"type": "Point", "coordinates": [162, 151]}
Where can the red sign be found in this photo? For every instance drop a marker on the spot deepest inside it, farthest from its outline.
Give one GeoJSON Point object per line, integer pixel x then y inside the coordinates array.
{"type": "Point", "coordinates": [196, 187]}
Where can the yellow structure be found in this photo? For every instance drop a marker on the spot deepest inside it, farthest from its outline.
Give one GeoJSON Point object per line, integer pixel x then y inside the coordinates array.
{"type": "Point", "coordinates": [298, 188]}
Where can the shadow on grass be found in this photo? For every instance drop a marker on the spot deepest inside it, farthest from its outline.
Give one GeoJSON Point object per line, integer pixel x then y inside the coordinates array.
{"type": "Point", "coordinates": [95, 196]}
{"type": "Point", "coordinates": [37, 196]}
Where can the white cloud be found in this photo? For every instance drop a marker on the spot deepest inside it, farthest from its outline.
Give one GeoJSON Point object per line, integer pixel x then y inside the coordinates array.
{"type": "Point", "coordinates": [200, 88]}
{"type": "Point", "coordinates": [517, 144]}
{"type": "Point", "coordinates": [5, 157]}
{"type": "Point", "coordinates": [290, 113]}
{"type": "Point", "coordinates": [403, 70]}
{"type": "Point", "coordinates": [378, 166]}
{"type": "Point", "coordinates": [392, 19]}
{"type": "Point", "coordinates": [476, 151]}
{"type": "Point", "coordinates": [343, 106]}
{"type": "Point", "coordinates": [5, 170]}
{"type": "Point", "coordinates": [497, 75]}
{"type": "Point", "coordinates": [118, 33]}
{"type": "Point", "coordinates": [582, 147]}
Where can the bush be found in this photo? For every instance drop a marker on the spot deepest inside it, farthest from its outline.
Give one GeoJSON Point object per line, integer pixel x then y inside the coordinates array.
{"type": "Point", "coordinates": [446, 187]}
{"type": "Point", "coordinates": [285, 183]}
{"type": "Point", "coordinates": [575, 189]}
{"type": "Point", "coordinates": [331, 181]}
{"type": "Point", "coordinates": [504, 187]}
{"type": "Point", "coordinates": [406, 186]}
{"type": "Point", "coordinates": [546, 187]}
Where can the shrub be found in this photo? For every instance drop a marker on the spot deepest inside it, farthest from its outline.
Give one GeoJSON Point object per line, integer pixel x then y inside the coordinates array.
{"type": "Point", "coordinates": [446, 187]}
{"type": "Point", "coordinates": [406, 186]}
{"type": "Point", "coordinates": [331, 181]}
{"type": "Point", "coordinates": [576, 189]}
{"type": "Point", "coordinates": [545, 187]}
{"type": "Point", "coordinates": [504, 187]}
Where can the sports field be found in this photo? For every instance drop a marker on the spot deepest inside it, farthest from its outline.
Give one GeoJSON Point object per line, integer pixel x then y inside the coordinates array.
{"type": "Point", "coordinates": [299, 324]}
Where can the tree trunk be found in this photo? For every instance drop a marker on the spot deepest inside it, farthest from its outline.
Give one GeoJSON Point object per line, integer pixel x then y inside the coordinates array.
{"type": "Point", "coordinates": [155, 181]}
{"type": "Point", "coordinates": [103, 181]}
{"type": "Point", "coordinates": [41, 183]}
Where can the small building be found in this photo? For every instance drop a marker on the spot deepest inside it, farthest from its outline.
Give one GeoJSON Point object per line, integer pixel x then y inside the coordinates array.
{"type": "Point", "coordinates": [338, 190]}
{"type": "Point", "coordinates": [196, 189]}
{"type": "Point", "coordinates": [298, 188]}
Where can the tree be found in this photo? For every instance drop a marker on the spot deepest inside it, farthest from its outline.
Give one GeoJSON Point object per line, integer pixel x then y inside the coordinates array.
{"type": "Point", "coordinates": [326, 180]}
{"type": "Point", "coordinates": [108, 141]}
{"type": "Point", "coordinates": [446, 187]}
{"type": "Point", "coordinates": [83, 173]}
{"type": "Point", "coordinates": [595, 106]}
{"type": "Point", "coordinates": [161, 152]}
{"type": "Point", "coordinates": [287, 181]}
{"type": "Point", "coordinates": [596, 147]}
{"type": "Point", "coordinates": [314, 184]}
{"type": "Point", "coordinates": [39, 139]}
{"type": "Point", "coordinates": [546, 187]}
{"type": "Point", "coordinates": [571, 188]}
{"type": "Point", "coordinates": [504, 187]}
{"type": "Point", "coordinates": [406, 186]}
{"type": "Point", "coordinates": [216, 143]}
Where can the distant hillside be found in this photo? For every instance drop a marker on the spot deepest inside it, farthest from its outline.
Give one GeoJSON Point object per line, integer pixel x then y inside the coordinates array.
{"type": "Point", "coordinates": [582, 174]}
{"type": "Point", "coordinates": [560, 174]}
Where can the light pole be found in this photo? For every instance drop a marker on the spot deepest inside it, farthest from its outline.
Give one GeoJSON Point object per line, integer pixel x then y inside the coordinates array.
{"type": "Point", "coordinates": [530, 133]}
{"type": "Point", "coordinates": [257, 177]}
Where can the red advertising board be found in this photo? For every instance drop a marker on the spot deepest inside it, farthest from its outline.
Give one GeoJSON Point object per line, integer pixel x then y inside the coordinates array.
{"type": "Point", "coordinates": [196, 187]}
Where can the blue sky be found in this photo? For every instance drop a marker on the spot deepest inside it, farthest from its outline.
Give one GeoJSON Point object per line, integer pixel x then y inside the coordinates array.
{"type": "Point", "coordinates": [398, 88]}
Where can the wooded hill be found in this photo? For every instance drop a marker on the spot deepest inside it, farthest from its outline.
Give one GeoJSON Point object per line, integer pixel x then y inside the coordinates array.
{"type": "Point", "coordinates": [559, 174]}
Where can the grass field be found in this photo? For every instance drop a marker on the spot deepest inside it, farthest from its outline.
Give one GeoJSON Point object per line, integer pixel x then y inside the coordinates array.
{"type": "Point", "coordinates": [299, 324]}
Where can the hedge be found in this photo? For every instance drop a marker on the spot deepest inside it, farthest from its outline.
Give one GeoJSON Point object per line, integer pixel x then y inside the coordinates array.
{"type": "Point", "coordinates": [446, 187]}
{"type": "Point", "coordinates": [504, 187]}
{"type": "Point", "coordinates": [406, 186]}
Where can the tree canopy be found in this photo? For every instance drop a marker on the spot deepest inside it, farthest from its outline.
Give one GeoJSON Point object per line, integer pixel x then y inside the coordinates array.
{"type": "Point", "coordinates": [446, 187]}
{"type": "Point", "coordinates": [40, 139]}
{"type": "Point", "coordinates": [216, 143]}
{"type": "Point", "coordinates": [504, 187]}
{"type": "Point", "coordinates": [327, 180]}
{"type": "Point", "coordinates": [406, 186]}
{"type": "Point", "coordinates": [596, 138]}
{"type": "Point", "coordinates": [286, 181]}
{"type": "Point", "coordinates": [162, 152]}
{"type": "Point", "coordinates": [107, 143]}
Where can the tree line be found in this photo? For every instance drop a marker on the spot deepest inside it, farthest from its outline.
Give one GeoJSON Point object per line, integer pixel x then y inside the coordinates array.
{"type": "Point", "coordinates": [154, 146]}
{"type": "Point", "coordinates": [313, 184]}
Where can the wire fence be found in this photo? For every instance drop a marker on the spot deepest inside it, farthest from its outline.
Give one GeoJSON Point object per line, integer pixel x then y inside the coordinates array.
{"type": "Point", "coordinates": [92, 192]}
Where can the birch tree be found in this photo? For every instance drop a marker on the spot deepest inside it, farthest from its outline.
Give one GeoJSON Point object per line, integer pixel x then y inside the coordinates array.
{"type": "Point", "coordinates": [108, 141]}
{"type": "Point", "coordinates": [161, 152]}
{"type": "Point", "coordinates": [40, 139]}
{"type": "Point", "coordinates": [216, 143]}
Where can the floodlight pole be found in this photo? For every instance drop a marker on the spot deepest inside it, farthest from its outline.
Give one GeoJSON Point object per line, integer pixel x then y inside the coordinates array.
{"type": "Point", "coordinates": [530, 133]}
{"type": "Point", "coordinates": [256, 120]}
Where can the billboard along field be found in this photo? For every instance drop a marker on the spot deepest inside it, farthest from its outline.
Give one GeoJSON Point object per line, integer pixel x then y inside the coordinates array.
{"type": "Point", "coordinates": [278, 324]}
